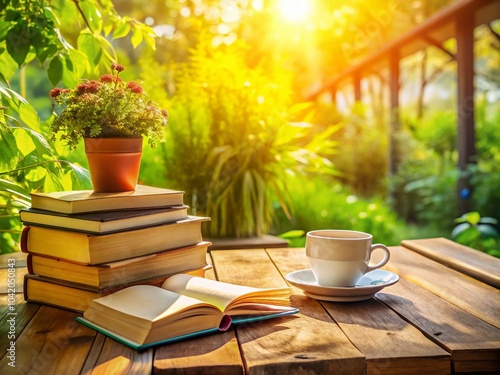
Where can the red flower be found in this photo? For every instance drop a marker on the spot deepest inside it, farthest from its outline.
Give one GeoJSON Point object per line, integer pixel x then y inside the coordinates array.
{"type": "Point", "coordinates": [55, 92]}
{"type": "Point", "coordinates": [108, 78]}
{"type": "Point", "coordinates": [117, 67]}
{"type": "Point", "coordinates": [80, 88]}
{"type": "Point", "coordinates": [135, 87]}
{"type": "Point", "coordinates": [92, 87]}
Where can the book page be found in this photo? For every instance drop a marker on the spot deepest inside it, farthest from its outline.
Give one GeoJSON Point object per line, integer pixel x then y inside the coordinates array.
{"type": "Point", "coordinates": [221, 294]}
{"type": "Point", "coordinates": [148, 302]}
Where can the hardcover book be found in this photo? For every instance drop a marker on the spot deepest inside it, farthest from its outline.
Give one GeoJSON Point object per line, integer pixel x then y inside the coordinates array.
{"type": "Point", "coordinates": [78, 201]}
{"type": "Point", "coordinates": [184, 306]}
{"type": "Point", "coordinates": [97, 249]}
{"type": "Point", "coordinates": [104, 222]}
{"type": "Point", "coordinates": [120, 272]}
{"type": "Point", "coordinates": [77, 297]}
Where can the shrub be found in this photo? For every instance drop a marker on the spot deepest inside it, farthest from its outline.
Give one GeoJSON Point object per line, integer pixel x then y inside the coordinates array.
{"type": "Point", "coordinates": [320, 203]}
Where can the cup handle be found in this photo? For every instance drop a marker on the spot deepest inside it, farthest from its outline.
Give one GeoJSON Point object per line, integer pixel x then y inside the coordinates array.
{"type": "Point", "coordinates": [383, 261]}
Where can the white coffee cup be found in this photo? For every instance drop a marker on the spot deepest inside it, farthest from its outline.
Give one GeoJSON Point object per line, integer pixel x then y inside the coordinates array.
{"type": "Point", "coordinates": [340, 258]}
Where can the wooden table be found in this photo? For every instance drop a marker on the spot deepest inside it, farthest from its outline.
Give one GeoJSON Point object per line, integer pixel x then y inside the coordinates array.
{"type": "Point", "coordinates": [442, 317]}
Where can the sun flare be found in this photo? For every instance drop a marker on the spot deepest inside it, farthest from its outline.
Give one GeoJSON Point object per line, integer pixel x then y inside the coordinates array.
{"type": "Point", "coordinates": [294, 10]}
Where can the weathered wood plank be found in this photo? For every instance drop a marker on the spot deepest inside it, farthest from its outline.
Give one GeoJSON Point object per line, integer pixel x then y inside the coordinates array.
{"type": "Point", "coordinates": [389, 343]}
{"type": "Point", "coordinates": [471, 295]}
{"type": "Point", "coordinates": [284, 346]}
{"type": "Point", "coordinates": [111, 357]}
{"type": "Point", "coordinates": [216, 354]}
{"type": "Point", "coordinates": [247, 267]}
{"type": "Point", "coordinates": [474, 344]}
{"type": "Point", "coordinates": [476, 264]}
{"type": "Point", "coordinates": [52, 343]}
{"type": "Point", "coordinates": [21, 315]}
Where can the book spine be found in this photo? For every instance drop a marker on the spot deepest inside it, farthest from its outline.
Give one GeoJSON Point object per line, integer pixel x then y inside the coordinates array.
{"type": "Point", "coordinates": [24, 239]}
{"type": "Point", "coordinates": [29, 264]}
{"type": "Point", "coordinates": [25, 287]}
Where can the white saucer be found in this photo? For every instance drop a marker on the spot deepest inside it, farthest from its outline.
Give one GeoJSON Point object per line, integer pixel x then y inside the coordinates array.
{"type": "Point", "coordinates": [366, 287]}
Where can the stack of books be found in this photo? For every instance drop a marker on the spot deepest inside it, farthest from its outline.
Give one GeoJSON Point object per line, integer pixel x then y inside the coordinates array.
{"type": "Point", "coordinates": [83, 245]}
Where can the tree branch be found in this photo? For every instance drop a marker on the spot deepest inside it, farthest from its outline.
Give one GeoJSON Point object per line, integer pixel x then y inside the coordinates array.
{"type": "Point", "coordinates": [77, 3]}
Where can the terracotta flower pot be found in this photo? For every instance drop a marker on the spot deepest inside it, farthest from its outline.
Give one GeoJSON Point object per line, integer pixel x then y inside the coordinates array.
{"type": "Point", "coordinates": [114, 163]}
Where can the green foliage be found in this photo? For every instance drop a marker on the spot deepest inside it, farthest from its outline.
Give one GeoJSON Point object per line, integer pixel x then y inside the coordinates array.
{"type": "Point", "coordinates": [432, 198]}
{"type": "Point", "coordinates": [49, 32]}
{"type": "Point", "coordinates": [362, 153]}
{"type": "Point", "coordinates": [27, 162]}
{"type": "Point", "coordinates": [230, 144]}
{"type": "Point", "coordinates": [295, 238]}
{"type": "Point", "coordinates": [480, 233]}
{"type": "Point", "coordinates": [439, 133]}
{"type": "Point", "coordinates": [426, 183]}
{"type": "Point", "coordinates": [321, 203]}
{"type": "Point", "coordinates": [46, 32]}
{"type": "Point", "coordinates": [109, 107]}
{"type": "Point", "coordinates": [486, 195]}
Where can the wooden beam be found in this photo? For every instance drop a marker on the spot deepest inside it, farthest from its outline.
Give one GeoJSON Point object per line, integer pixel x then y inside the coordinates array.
{"type": "Point", "coordinates": [438, 27]}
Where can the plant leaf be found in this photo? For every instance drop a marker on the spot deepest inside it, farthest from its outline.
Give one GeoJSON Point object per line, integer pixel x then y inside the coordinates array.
{"type": "Point", "coordinates": [122, 28]}
{"type": "Point", "coordinates": [472, 217]}
{"type": "Point", "coordinates": [9, 186]}
{"type": "Point", "coordinates": [292, 234]}
{"type": "Point", "coordinates": [24, 142]}
{"type": "Point", "coordinates": [9, 150]}
{"type": "Point", "coordinates": [29, 115]}
{"type": "Point", "coordinates": [468, 236]}
{"type": "Point", "coordinates": [487, 231]}
{"type": "Point", "coordinates": [18, 44]}
{"type": "Point", "coordinates": [136, 37]}
{"type": "Point", "coordinates": [90, 46]}
{"type": "Point", "coordinates": [92, 15]}
{"type": "Point", "coordinates": [459, 229]}
{"type": "Point", "coordinates": [80, 177]}
{"type": "Point", "coordinates": [488, 220]}
{"type": "Point", "coordinates": [55, 71]}
{"type": "Point", "coordinates": [8, 64]}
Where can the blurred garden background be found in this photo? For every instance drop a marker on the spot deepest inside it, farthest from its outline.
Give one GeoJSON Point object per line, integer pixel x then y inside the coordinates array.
{"type": "Point", "coordinates": [245, 140]}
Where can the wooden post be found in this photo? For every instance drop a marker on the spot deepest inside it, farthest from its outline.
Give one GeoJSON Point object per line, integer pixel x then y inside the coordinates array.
{"type": "Point", "coordinates": [333, 93]}
{"type": "Point", "coordinates": [466, 138]}
{"type": "Point", "coordinates": [394, 125]}
{"type": "Point", "coordinates": [357, 86]}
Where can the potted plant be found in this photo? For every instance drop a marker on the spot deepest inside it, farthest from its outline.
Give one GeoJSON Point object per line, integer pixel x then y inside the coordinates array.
{"type": "Point", "coordinates": [112, 116]}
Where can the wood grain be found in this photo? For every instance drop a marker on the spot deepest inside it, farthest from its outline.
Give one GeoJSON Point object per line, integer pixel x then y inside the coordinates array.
{"type": "Point", "coordinates": [285, 346]}
{"type": "Point", "coordinates": [247, 267]}
{"type": "Point", "coordinates": [111, 357]}
{"type": "Point", "coordinates": [52, 343]}
{"type": "Point", "coordinates": [22, 313]}
{"type": "Point", "coordinates": [474, 344]}
{"type": "Point", "coordinates": [435, 316]}
{"type": "Point", "coordinates": [389, 343]}
{"type": "Point", "coordinates": [474, 263]}
{"type": "Point", "coordinates": [471, 295]}
{"type": "Point", "coordinates": [216, 354]}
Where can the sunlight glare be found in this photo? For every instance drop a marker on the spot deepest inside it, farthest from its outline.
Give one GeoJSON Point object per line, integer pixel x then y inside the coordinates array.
{"type": "Point", "coordinates": [294, 10]}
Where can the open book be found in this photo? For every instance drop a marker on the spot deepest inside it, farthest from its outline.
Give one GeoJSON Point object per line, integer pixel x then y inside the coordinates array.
{"type": "Point", "coordinates": [142, 316]}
